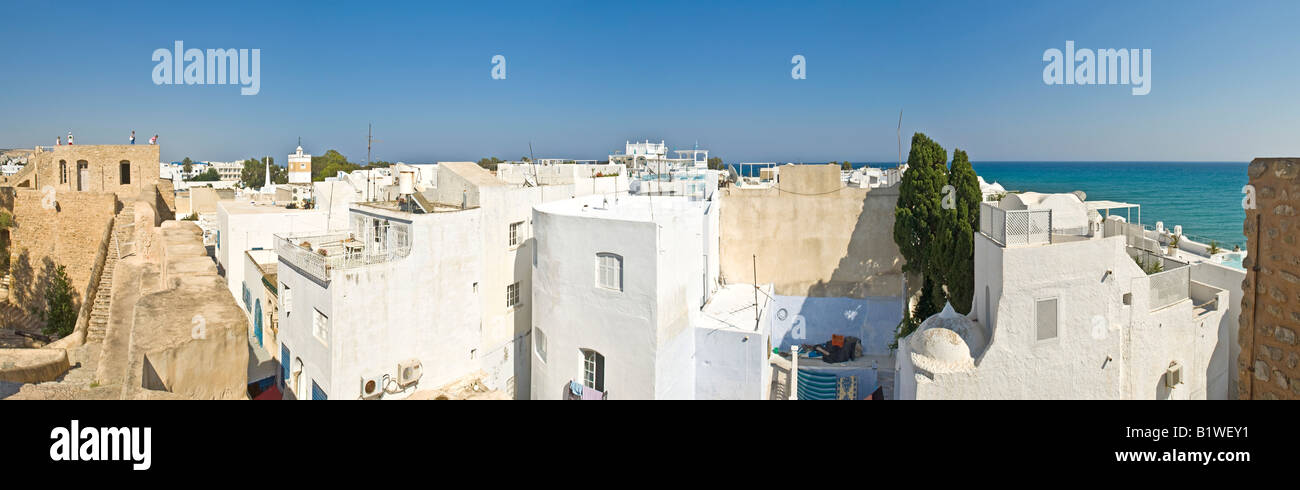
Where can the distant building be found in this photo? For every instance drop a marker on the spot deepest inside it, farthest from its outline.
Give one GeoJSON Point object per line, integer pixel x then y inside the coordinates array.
{"type": "Point", "coordinates": [299, 167]}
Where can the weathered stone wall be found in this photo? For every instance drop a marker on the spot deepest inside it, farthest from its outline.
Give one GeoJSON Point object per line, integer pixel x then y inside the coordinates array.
{"type": "Point", "coordinates": [59, 168]}
{"type": "Point", "coordinates": [811, 239]}
{"type": "Point", "coordinates": [1269, 365]}
{"type": "Point", "coordinates": [69, 234]}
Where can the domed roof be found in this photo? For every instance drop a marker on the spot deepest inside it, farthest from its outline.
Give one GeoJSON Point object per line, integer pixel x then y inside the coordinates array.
{"type": "Point", "coordinates": [947, 341]}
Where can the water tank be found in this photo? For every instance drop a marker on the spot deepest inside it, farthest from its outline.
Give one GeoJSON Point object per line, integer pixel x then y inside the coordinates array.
{"type": "Point", "coordinates": [406, 182]}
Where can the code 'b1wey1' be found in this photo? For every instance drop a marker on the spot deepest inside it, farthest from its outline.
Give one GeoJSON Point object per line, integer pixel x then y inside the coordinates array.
{"type": "Point", "coordinates": [215, 67]}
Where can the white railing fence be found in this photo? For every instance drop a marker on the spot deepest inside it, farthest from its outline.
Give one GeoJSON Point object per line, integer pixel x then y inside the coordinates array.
{"type": "Point", "coordinates": [318, 255]}
{"type": "Point", "coordinates": [1016, 227]}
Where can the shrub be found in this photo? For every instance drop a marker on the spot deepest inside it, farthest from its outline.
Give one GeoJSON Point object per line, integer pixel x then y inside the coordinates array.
{"type": "Point", "coordinates": [61, 313]}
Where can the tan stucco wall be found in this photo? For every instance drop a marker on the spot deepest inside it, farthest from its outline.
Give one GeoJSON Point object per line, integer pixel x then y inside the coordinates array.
{"type": "Point", "coordinates": [810, 239]}
{"type": "Point", "coordinates": [1269, 326]}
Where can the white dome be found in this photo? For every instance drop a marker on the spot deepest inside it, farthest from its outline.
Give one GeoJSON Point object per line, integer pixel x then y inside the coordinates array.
{"type": "Point", "coordinates": [947, 342]}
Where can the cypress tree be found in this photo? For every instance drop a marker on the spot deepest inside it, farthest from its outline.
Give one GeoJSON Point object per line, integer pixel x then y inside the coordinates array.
{"type": "Point", "coordinates": [918, 221]}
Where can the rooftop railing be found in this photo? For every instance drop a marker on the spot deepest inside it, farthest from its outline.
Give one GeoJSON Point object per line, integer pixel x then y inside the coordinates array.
{"type": "Point", "coordinates": [320, 255]}
{"type": "Point", "coordinates": [1016, 227]}
{"type": "Point", "coordinates": [1170, 287]}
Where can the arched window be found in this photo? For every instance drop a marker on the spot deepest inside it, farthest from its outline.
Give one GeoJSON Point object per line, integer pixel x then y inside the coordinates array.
{"type": "Point", "coordinates": [63, 171]}
{"type": "Point", "coordinates": [124, 169]}
{"type": "Point", "coordinates": [609, 271]}
{"type": "Point", "coordinates": [593, 370]}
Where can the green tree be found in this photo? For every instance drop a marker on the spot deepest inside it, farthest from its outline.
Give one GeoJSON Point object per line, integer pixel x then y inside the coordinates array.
{"type": "Point", "coordinates": [253, 175]}
{"type": "Point", "coordinates": [491, 163]}
{"type": "Point", "coordinates": [209, 175]}
{"type": "Point", "coordinates": [187, 165]}
{"type": "Point", "coordinates": [60, 313]}
{"type": "Point", "coordinates": [918, 220]}
{"type": "Point", "coordinates": [715, 163]}
{"type": "Point", "coordinates": [845, 166]}
{"type": "Point", "coordinates": [957, 238]}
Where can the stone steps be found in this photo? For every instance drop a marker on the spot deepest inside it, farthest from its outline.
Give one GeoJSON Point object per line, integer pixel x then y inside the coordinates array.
{"type": "Point", "coordinates": [100, 313]}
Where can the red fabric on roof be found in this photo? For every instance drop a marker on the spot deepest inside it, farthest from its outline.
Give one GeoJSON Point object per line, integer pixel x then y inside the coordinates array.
{"type": "Point", "coordinates": [271, 394]}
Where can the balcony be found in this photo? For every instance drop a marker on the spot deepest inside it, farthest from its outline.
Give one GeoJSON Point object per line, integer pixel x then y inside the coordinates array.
{"type": "Point", "coordinates": [321, 255]}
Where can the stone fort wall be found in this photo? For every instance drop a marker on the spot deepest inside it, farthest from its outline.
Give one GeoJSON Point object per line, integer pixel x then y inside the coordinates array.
{"type": "Point", "coordinates": [68, 233]}
{"type": "Point", "coordinates": [1269, 365]}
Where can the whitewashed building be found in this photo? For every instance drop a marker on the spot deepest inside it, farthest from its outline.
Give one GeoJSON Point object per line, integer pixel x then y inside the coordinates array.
{"type": "Point", "coordinates": [1063, 310]}
{"type": "Point", "coordinates": [383, 309]}
{"type": "Point", "coordinates": [619, 285]}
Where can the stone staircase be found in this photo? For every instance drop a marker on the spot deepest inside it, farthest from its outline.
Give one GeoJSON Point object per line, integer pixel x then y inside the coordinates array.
{"type": "Point", "coordinates": [97, 328]}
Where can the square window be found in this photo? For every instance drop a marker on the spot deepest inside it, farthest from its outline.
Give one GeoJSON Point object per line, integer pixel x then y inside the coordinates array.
{"type": "Point", "coordinates": [512, 295]}
{"type": "Point", "coordinates": [516, 233]}
{"type": "Point", "coordinates": [609, 271]}
{"type": "Point", "coordinates": [1045, 315]}
{"type": "Point", "coordinates": [539, 343]}
{"type": "Point", "coordinates": [320, 327]}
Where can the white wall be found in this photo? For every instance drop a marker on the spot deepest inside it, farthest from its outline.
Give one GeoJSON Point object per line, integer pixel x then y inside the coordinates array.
{"type": "Point", "coordinates": [1103, 349]}
{"type": "Point", "coordinates": [423, 306]}
{"type": "Point", "coordinates": [240, 232]}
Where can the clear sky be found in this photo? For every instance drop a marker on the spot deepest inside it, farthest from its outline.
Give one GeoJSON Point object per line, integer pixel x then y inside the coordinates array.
{"type": "Point", "coordinates": [583, 77]}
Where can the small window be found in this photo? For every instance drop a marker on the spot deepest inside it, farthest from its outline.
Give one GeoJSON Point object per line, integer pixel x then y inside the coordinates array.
{"type": "Point", "coordinates": [63, 171]}
{"type": "Point", "coordinates": [248, 297]}
{"type": "Point", "coordinates": [539, 343]}
{"type": "Point", "coordinates": [320, 327]}
{"type": "Point", "coordinates": [124, 169]}
{"type": "Point", "coordinates": [1045, 314]}
{"type": "Point", "coordinates": [1128, 298]}
{"type": "Point", "coordinates": [609, 271]}
{"type": "Point", "coordinates": [512, 295]}
{"type": "Point", "coordinates": [516, 233]}
{"type": "Point", "coordinates": [286, 300]}
{"type": "Point", "coordinates": [593, 370]}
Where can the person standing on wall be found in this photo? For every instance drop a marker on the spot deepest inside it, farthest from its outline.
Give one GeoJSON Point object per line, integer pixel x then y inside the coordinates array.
{"type": "Point", "coordinates": [133, 136]}
{"type": "Point", "coordinates": [58, 141]}
{"type": "Point", "coordinates": [153, 140]}
{"type": "Point", "coordinates": [69, 138]}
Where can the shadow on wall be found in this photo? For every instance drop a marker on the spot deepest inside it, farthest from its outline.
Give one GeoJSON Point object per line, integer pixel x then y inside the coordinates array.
{"type": "Point", "coordinates": [29, 284]}
{"type": "Point", "coordinates": [857, 272]}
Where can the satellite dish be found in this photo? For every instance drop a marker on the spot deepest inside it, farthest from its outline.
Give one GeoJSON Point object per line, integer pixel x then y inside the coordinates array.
{"type": "Point", "coordinates": [731, 175]}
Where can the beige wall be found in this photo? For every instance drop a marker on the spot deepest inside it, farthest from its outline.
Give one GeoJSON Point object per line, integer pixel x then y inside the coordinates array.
{"type": "Point", "coordinates": [102, 165]}
{"type": "Point", "coordinates": [810, 239]}
{"type": "Point", "coordinates": [1269, 364]}
{"type": "Point", "coordinates": [68, 235]}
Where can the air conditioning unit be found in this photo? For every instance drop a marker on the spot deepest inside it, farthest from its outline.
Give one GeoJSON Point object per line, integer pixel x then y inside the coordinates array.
{"type": "Point", "coordinates": [1174, 376]}
{"type": "Point", "coordinates": [409, 371]}
{"type": "Point", "coordinates": [372, 386]}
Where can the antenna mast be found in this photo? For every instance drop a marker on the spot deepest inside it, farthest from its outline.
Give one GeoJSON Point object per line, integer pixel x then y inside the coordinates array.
{"type": "Point", "coordinates": [900, 137]}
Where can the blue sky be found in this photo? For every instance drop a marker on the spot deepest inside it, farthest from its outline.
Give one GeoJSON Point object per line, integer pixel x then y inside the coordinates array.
{"type": "Point", "coordinates": [583, 77]}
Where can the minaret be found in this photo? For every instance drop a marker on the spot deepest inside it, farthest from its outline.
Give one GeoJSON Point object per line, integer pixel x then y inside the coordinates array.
{"type": "Point", "coordinates": [299, 167]}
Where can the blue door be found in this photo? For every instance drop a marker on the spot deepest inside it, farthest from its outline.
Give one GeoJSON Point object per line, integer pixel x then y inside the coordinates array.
{"type": "Point", "coordinates": [257, 320]}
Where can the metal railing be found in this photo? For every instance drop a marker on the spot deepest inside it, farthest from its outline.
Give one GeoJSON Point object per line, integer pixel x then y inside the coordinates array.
{"type": "Point", "coordinates": [1170, 287]}
{"type": "Point", "coordinates": [319, 255]}
{"type": "Point", "coordinates": [1016, 227]}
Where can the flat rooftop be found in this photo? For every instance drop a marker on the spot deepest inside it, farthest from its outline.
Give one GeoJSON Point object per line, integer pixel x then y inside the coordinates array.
{"type": "Point", "coordinates": [244, 206]}
{"type": "Point", "coordinates": [732, 307]}
{"type": "Point", "coordinates": [623, 207]}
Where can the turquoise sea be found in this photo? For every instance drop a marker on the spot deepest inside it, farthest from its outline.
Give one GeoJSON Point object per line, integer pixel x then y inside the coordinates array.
{"type": "Point", "coordinates": [1203, 197]}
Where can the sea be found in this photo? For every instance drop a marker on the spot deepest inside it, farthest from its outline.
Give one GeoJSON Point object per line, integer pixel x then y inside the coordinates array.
{"type": "Point", "coordinates": [1204, 197]}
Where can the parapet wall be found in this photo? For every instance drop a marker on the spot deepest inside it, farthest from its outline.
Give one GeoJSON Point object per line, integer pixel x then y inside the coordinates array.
{"type": "Point", "coordinates": [1269, 364]}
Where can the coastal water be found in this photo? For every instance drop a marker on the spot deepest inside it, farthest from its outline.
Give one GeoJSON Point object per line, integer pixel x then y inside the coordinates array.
{"type": "Point", "coordinates": [1203, 197]}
